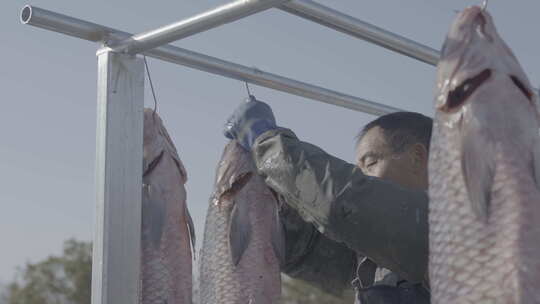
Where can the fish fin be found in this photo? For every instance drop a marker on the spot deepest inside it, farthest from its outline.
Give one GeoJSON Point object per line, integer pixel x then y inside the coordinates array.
{"type": "Point", "coordinates": [191, 228]}
{"type": "Point", "coordinates": [277, 238]}
{"type": "Point", "coordinates": [153, 213]}
{"type": "Point", "coordinates": [239, 231]}
{"type": "Point", "coordinates": [478, 170]}
{"type": "Point", "coordinates": [240, 226]}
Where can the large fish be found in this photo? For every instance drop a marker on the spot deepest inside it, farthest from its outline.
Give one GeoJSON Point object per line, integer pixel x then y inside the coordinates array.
{"type": "Point", "coordinates": [243, 238]}
{"type": "Point", "coordinates": [167, 228]}
{"type": "Point", "coordinates": [484, 172]}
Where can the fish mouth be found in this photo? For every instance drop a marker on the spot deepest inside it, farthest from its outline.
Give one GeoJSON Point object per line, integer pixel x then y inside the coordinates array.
{"type": "Point", "coordinates": [458, 96]}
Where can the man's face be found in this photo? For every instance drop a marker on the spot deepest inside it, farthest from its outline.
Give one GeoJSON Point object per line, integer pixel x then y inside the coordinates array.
{"type": "Point", "coordinates": [375, 157]}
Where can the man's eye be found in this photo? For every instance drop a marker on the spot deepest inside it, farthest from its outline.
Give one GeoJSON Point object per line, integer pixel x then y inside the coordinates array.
{"type": "Point", "coordinates": [371, 163]}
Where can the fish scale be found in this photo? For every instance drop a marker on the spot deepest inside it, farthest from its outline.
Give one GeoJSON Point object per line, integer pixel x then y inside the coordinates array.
{"type": "Point", "coordinates": [218, 278]}
{"type": "Point", "coordinates": [257, 239]}
{"type": "Point", "coordinates": [484, 171]}
{"type": "Point", "coordinates": [471, 258]}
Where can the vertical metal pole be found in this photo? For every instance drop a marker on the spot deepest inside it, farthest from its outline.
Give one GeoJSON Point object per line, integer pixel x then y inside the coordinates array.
{"type": "Point", "coordinates": [120, 101]}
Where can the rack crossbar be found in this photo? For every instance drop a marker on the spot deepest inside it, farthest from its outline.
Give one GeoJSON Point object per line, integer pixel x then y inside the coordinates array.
{"type": "Point", "coordinates": [352, 26]}
{"type": "Point", "coordinates": [207, 20]}
{"type": "Point", "coordinates": [94, 32]}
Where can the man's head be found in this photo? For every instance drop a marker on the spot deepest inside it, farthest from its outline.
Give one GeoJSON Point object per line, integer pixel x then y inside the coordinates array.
{"type": "Point", "coordinates": [395, 147]}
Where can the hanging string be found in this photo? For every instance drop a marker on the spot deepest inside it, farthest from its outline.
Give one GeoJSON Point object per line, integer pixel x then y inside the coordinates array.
{"type": "Point", "coordinates": [251, 97]}
{"type": "Point", "coordinates": [151, 84]}
{"type": "Point", "coordinates": [247, 88]}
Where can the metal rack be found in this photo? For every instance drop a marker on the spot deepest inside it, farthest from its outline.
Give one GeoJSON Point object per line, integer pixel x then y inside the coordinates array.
{"type": "Point", "coordinates": [115, 277]}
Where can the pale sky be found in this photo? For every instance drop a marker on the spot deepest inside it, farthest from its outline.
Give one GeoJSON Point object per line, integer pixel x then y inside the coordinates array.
{"type": "Point", "coordinates": [47, 142]}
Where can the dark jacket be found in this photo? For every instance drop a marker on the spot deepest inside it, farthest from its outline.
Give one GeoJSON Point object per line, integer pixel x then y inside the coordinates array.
{"type": "Point", "coordinates": [336, 216]}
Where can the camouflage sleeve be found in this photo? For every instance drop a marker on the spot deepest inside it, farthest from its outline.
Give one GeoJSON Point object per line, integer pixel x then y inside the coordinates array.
{"type": "Point", "coordinates": [314, 258]}
{"type": "Point", "coordinates": [375, 218]}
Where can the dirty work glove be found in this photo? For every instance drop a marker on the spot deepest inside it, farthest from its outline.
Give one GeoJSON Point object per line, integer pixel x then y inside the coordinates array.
{"type": "Point", "coordinates": [249, 120]}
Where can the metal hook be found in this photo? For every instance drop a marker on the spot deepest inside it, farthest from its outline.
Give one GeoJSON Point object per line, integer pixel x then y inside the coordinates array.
{"type": "Point", "coordinates": [247, 88]}
{"type": "Point", "coordinates": [151, 87]}
{"type": "Point", "coordinates": [251, 97]}
{"type": "Point", "coordinates": [484, 5]}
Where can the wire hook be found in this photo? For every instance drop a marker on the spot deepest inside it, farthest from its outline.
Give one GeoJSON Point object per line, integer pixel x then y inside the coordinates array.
{"type": "Point", "coordinates": [151, 87]}
{"type": "Point", "coordinates": [251, 97]}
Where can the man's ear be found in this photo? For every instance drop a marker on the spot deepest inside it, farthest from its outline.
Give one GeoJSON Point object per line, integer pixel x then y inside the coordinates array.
{"type": "Point", "coordinates": [419, 154]}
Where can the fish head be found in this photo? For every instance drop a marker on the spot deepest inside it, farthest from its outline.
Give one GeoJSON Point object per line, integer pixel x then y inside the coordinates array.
{"type": "Point", "coordinates": [233, 172]}
{"type": "Point", "coordinates": [474, 60]}
{"type": "Point", "coordinates": [485, 107]}
{"type": "Point", "coordinates": [156, 142]}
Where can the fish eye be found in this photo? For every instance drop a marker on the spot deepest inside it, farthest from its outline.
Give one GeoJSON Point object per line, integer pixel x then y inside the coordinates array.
{"type": "Point", "coordinates": [522, 87]}
{"type": "Point", "coordinates": [459, 95]}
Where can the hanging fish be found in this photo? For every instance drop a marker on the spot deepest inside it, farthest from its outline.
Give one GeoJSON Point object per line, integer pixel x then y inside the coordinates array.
{"type": "Point", "coordinates": [168, 237]}
{"type": "Point", "coordinates": [484, 215]}
{"type": "Point", "coordinates": [243, 238]}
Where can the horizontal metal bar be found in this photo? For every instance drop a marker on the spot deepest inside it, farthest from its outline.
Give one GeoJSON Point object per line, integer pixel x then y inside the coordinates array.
{"type": "Point", "coordinates": [269, 80]}
{"type": "Point", "coordinates": [193, 25]}
{"type": "Point", "coordinates": [64, 24]}
{"type": "Point", "coordinates": [94, 32]}
{"type": "Point", "coordinates": [352, 26]}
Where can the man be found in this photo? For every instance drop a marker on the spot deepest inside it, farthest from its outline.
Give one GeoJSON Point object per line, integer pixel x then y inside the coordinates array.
{"type": "Point", "coordinates": [367, 228]}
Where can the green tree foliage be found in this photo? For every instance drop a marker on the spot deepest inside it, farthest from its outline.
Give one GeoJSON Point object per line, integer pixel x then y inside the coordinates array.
{"type": "Point", "coordinates": [66, 279]}
{"type": "Point", "coordinates": [62, 279]}
{"type": "Point", "coordinates": [299, 292]}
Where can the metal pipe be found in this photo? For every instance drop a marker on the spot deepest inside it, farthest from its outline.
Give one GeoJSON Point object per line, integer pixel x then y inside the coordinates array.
{"type": "Point", "coordinates": [352, 26]}
{"type": "Point", "coordinates": [193, 25]}
{"type": "Point", "coordinates": [269, 80]}
{"type": "Point", "coordinates": [94, 32]}
{"type": "Point", "coordinates": [64, 24]}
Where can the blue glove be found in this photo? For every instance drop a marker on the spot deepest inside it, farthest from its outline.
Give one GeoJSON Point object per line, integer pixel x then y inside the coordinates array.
{"type": "Point", "coordinates": [249, 120]}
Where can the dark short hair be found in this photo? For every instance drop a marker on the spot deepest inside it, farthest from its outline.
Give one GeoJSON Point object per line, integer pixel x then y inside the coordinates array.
{"type": "Point", "coordinates": [402, 129]}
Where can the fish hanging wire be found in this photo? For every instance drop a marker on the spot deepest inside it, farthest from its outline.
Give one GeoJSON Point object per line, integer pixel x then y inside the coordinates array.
{"type": "Point", "coordinates": [247, 88]}
{"type": "Point", "coordinates": [151, 86]}
{"type": "Point", "coordinates": [250, 97]}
